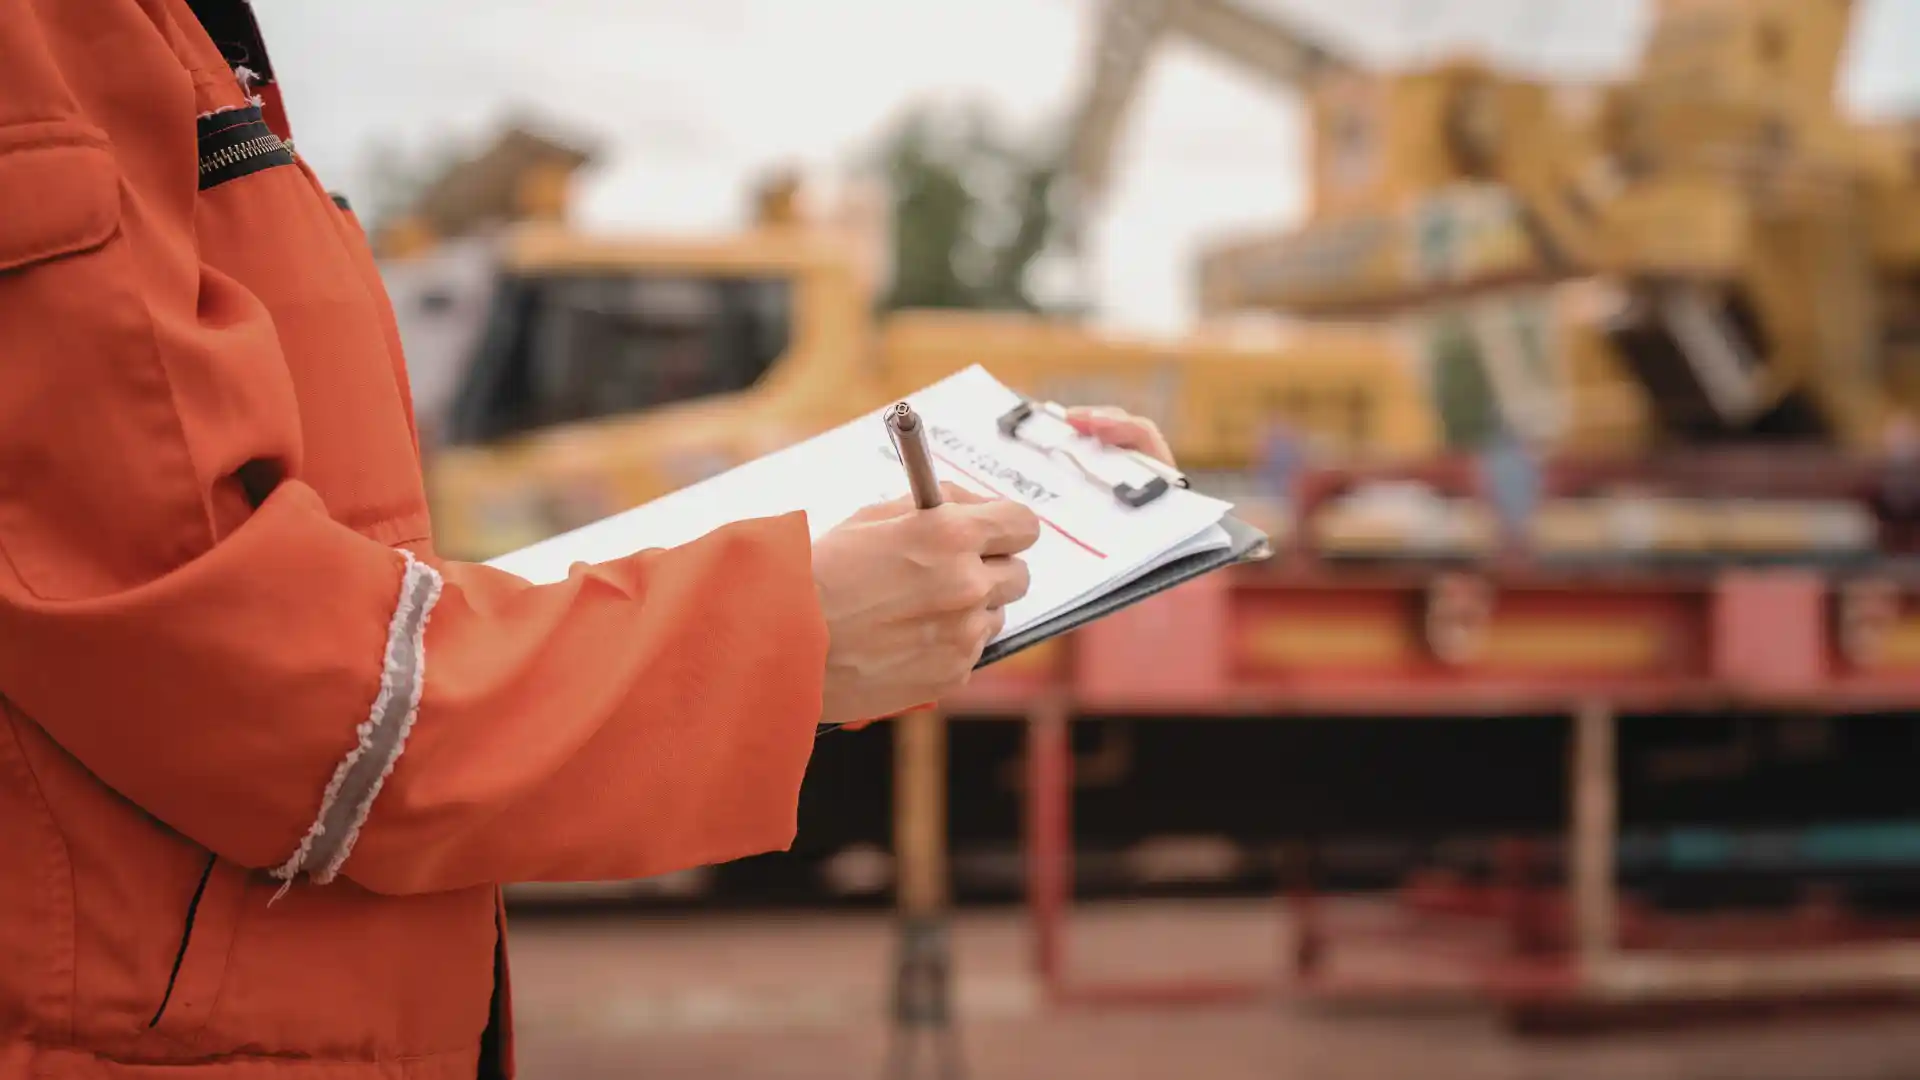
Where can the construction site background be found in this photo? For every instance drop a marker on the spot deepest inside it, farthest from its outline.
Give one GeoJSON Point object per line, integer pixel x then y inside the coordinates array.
{"type": "Point", "coordinates": [1583, 693]}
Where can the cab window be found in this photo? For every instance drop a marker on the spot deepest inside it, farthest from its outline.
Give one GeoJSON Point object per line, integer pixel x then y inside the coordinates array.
{"type": "Point", "coordinates": [568, 349]}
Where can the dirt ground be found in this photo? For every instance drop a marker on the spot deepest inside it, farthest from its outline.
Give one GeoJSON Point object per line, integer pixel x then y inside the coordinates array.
{"type": "Point", "coordinates": [805, 997]}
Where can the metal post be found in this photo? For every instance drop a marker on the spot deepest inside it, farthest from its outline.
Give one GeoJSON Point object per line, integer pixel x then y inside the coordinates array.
{"type": "Point", "coordinates": [1049, 810]}
{"type": "Point", "coordinates": [1310, 936]}
{"type": "Point", "coordinates": [1594, 831]}
{"type": "Point", "coordinates": [920, 811]}
{"type": "Point", "coordinates": [923, 968]}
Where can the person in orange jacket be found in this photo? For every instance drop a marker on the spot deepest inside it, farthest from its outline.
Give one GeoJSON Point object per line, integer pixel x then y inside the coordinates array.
{"type": "Point", "coordinates": [265, 758]}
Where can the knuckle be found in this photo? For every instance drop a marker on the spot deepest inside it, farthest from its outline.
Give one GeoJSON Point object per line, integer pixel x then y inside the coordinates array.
{"type": "Point", "coordinates": [978, 585]}
{"type": "Point", "coordinates": [1018, 518]}
{"type": "Point", "coordinates": [1022, 577]}
{"type": "Point", "coordinates": [936, 536]}
{"type": "Point", "coordinates": [967, 586]}
{"type": "Point", "coordinates": [1009, 582]}
{"type": "Point", "coordinates": [920, 554]}
{"type": "Point", "coordinates": [961, 638]}
{"type": "Point", "coordinates": [954, 531]}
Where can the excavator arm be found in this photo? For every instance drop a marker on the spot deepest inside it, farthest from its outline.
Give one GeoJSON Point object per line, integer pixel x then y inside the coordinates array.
{"type": "Point", "coordinates": [1127, 34]}
{"type": "Point", "coordinates": [1675, 241]}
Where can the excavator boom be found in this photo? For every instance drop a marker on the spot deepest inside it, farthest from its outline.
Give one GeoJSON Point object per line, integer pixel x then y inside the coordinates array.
{"type": "Point", "coordinates": [1128, 32]}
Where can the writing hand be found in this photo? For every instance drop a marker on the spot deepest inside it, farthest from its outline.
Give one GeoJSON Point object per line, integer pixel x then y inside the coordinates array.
{"type": "Point", "coordinates": [1119, 428]}
{"type": "Point", "coordinates": [912, 597]}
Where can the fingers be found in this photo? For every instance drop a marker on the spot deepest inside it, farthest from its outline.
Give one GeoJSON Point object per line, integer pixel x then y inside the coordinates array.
{"type": "Point", "coordinates": [1124, 431]}
{"type": "Point", "coordinates": [987, 627]}
{"type": "Point", "coordinates": [973, 635]}
{"type": "Point", "coordinates": [1116, 427]}
{"type": "Point", "coordinates": [1002, 527]}
{"type": "Point", "coordinates": [1008, 579]}
{"type": "Point", "coordinates": [968, 591]}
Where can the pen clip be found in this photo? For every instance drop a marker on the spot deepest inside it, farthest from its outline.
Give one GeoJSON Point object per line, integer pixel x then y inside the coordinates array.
{"type": "Point", "coordinates": [903, 424]}
{"type": "Point", "coordinates": [1013, 422]}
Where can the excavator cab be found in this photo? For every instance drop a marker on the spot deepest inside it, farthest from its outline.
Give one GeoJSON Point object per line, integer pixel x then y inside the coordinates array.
{"type": "Point", "coordinates": [610, 371]}
{"type": "Point", "coordinates": [574, 344]}
{"type": "Point", "coordinates": [560, 375]}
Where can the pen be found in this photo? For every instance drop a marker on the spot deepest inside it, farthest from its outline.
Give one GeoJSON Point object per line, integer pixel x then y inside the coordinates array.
{"type": "Point", "coordinates": [910, 442]}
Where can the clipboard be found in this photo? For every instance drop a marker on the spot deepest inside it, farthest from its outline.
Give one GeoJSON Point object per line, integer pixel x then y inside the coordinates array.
{"type": "Point", "coordinates": [1245, 543]}
{"type": "Point", "coordinates": [986, 430]}
{"type": "Point", "coordinates": [1013, 423]}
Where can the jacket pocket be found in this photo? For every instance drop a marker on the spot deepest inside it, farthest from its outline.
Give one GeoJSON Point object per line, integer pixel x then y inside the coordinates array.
{"type": "Point", "coordinates": [90, 439]}
{"type": "Point", "coordinates": [200, 964]}
{"type": "Point", "coordinates": [36, 899]}
{"type": "Point", "coordinates": [61, 190]}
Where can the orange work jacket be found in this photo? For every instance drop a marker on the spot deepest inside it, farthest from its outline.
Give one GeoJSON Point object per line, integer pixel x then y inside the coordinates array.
{"type": "Point", "coordinates": [265, 759]}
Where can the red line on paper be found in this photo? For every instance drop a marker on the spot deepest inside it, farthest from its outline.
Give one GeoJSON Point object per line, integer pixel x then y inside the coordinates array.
{"type": "Point", "coordinates": [1044, 520]}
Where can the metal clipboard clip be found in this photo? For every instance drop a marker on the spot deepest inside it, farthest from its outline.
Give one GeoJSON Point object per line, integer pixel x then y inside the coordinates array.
{"type": "Point", "coordinates": [1012, 425]}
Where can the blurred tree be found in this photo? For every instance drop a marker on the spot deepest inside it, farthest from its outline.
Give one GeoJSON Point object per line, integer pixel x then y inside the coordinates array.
{"type": "Point", "coordinates": [392, 178]}
{"type": "Point", "coordinates": [974, 209]}
{"type": "Point", "coordinates": [1462, 393]}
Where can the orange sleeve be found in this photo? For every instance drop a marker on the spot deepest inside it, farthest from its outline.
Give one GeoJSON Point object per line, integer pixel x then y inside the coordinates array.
{"type": "Point", "coordinates": [180, 612]}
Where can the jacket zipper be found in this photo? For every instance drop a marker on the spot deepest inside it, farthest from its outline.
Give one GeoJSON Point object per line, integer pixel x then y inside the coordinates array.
{"type": "Point", "coordinates": [229, 156]}
{"type": "Point", "coordinates": [236, 143]}
{"type": "Point", "coordinates": [186, 938]}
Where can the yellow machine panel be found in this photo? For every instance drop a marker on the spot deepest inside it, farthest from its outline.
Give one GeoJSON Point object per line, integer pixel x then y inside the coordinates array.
{"type": "Point", "coordinates": [614, 370]}
{"type": "Point", "coordinates": [1761, 241]}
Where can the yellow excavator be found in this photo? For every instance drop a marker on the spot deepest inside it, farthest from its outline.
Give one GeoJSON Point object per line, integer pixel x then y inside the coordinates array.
{"type": "Point", "coordinates": [563, 374]}
{"type": "Point", "coordinates": [1746, 252]}
{"type": "Point", "coordinates": [1705, 252]}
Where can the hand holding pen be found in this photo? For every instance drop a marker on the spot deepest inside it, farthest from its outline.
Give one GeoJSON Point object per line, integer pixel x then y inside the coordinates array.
{"type": "Point", "coordinates": [914, 589]}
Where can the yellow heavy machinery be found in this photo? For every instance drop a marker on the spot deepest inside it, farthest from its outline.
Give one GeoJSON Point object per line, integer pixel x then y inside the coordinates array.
{"type": "Point", "coordinates": [1706, 252]}
{"type": "Point", "coordinates": [1755, 249]}
{"type": "Point", "coordinates": [563, 375]}
{"type": "Point", "coordinates": [1375, 163]}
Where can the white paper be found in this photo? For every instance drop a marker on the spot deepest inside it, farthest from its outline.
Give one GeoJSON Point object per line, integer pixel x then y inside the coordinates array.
{"type": "Point", "coordinates": [1089, 542]}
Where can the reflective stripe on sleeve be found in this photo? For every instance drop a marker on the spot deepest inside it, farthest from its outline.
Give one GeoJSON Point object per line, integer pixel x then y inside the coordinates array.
{"type": "Point", "coordinates": [382, 736]}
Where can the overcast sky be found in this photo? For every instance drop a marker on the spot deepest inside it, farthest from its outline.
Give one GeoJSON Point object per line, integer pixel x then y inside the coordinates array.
{"type": "Point", "coordinates": [693, 97]}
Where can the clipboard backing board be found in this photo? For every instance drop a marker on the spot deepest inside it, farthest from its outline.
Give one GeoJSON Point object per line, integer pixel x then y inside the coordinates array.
{"type": "Point", "coordinates": [1248, 544]}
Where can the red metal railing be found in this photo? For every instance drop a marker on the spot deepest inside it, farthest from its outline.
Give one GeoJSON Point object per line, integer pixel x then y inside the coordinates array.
{"type": "Point", "coordinates": [1755, 639]}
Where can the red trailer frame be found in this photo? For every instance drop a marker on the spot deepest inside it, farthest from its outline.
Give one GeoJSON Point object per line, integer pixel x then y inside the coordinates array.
{"type": "Point", "coordinates": [1296, 638]}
